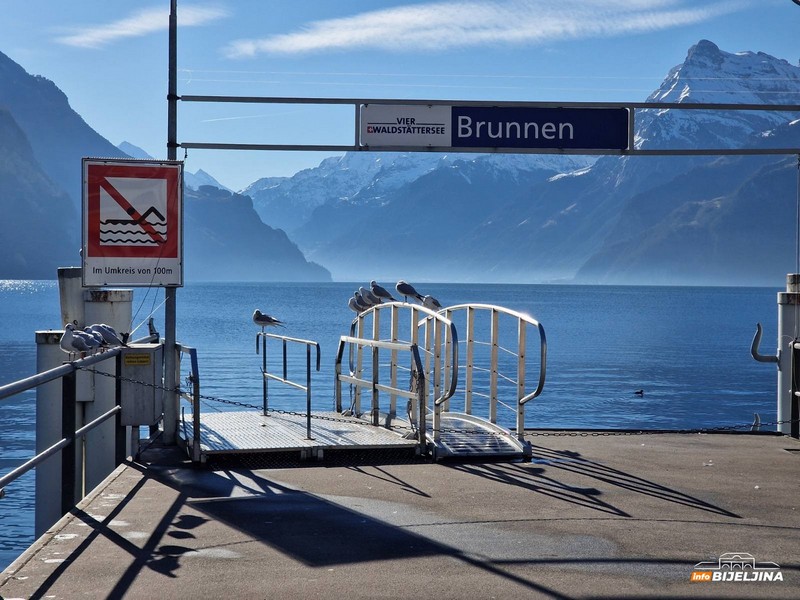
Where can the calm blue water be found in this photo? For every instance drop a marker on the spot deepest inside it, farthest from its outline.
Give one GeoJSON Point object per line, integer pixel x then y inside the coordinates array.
{"type": "Point", "coordinates": [688, 348]}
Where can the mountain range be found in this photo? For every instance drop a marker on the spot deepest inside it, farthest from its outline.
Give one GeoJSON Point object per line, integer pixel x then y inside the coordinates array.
{"type": "Point", "coordinates": [538, 218]}
{"type": "Point", "coordinates": [42, 142]}
{"type": "Point", "coordinates": [721, 220]}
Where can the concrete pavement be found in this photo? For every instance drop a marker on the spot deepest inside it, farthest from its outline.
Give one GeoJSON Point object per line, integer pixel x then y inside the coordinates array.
{"type": "Point", "coordinates": [589, 517]}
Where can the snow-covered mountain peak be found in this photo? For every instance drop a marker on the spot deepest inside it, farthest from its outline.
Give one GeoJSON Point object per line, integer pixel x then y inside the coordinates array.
{"type": "Point", "coordinates": [712, 75]}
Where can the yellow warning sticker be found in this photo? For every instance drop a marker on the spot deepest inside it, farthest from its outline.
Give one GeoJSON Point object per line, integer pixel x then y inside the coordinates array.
{"type": "Point", "coordinates": [137, 359]}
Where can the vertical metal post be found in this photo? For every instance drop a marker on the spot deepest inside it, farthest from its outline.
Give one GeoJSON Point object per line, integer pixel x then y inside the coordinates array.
{"type": "Point", "coordinates": [470, 360]}
{"type": "Point", "coordinates": [119, 435]}
{"type": "Point", "coordinates": [794, 409]}
{"type": "Point", "coordinates": [285, 366]}
{"type": "Point", "coordinates": [375, 400]}
{"type": "Point", "coordinates": [308, 392]}
{"type": "Point", "coordinates": [788, 308]}
{"type": "Point", "coordinates": [494, 366]}
{"type": "Point", "coordinates": [264, 378]}
{"type": "Point", "coordinates": [170, 304]}
{"type": "Point", "coordinates": [393, 368]}
{"type": "Point", "coordinates": [521, 346]}
{"type": "Point", "coordinates": [68, 466]}
{"type": "Point", "coordinates": [422, 426]}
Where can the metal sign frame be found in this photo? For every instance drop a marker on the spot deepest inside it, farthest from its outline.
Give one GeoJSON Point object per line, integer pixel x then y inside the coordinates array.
{"type": "Point", "coordinates": [358, 103]}
{"type": "Point", "coordinates": [132, 231]}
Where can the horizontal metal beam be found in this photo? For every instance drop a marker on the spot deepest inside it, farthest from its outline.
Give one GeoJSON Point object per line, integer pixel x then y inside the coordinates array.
{"type": "Point", "coordinates": [507, 103]}
{"type": "Point", "coordinates": [450, 150]}
{"type": "Point", "coordinates": [356, 103]}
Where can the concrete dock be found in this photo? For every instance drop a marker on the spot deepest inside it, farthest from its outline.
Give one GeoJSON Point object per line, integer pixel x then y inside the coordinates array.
{"type": "Point", "coordinates": [624, 516]}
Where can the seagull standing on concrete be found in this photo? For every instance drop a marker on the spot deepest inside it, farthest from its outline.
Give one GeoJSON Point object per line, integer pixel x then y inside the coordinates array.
{"type": "Point", "coordinates": [431, 302]}
{"type": "Point", "coordinates": [263, 320]}
{"type": "Point", "coordinates": [406, 289]}
{"type": "Point", "coordinates": [380, 292]}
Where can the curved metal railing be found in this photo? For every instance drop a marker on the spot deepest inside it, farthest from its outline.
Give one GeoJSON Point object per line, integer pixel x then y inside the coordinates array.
{"type": "Point", "coordinates": [495, 374]}
{"type": "Point", "coordinates": [430, 330]}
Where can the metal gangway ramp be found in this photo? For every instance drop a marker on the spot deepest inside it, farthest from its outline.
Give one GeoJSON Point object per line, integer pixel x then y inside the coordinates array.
{"type": "Point", "coordinates": [412, 385]}
{"type": "Point", "coordinates": [458, 414]}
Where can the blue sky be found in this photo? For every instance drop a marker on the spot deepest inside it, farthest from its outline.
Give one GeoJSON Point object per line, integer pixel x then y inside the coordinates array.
{"type": "Point", "coordinates": [110, 58]}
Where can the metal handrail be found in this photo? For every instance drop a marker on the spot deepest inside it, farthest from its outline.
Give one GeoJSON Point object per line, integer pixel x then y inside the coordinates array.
{"type": "Point", "coordinates": [29, 383]}
{"type": "Point", "coordinates": [419, 394]}
{"type": "Point", "coordinates": [523, 320]}
{"type": "Point", "coordinates": [194, 397]}
{"type": "Point", "coordinates": [428, 315]}
{"type": "Point", "coordinates": [266, 375]}
{"type": "Point", "coordinates": [48, 452]}
{"type": "Point", "coordinates": [23, 385]}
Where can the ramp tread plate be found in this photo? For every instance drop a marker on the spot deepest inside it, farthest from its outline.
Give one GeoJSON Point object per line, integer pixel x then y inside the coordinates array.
{"type": "Point", "coordinates": [250, 431]}
{"type": "Point", "coordinates": [470, 436]}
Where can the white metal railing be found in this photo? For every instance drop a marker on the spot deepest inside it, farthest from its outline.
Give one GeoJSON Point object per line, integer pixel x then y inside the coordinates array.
{"type": "Point", "coordinates": [284, 377]}
{"type": "Point", "coordinates": [504, 367]}
{"type": "Point", "coordinates": [409, 323]}
{"type": "Point", "coordinates": [192, 396]}
{"type": "Point", "coordinates": [416, 394]}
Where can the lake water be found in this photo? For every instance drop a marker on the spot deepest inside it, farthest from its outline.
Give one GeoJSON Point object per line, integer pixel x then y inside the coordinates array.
{"type": "Point", "coordinates": [687, 347]}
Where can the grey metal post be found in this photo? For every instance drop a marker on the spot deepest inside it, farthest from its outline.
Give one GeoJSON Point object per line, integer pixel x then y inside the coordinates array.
{"type": "Point", "coordinates": [170, 304]}
{"type": "Point", "coordinates": [68, 463]}
{"type": "Point", "coordinates": [48, 432]}
{"type": "Point", "coordinates": [788, 306]}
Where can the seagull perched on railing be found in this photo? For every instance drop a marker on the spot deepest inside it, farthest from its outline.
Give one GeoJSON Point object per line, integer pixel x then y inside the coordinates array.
{"type": "Point", "coordinates": [431, 302]}
{"type": "Point", "coordinates": [354, 305]}
{"type": "Point", "coordinates": [71, 342]}
{"type": "Point", "coordinates": [379, 291]}
{"type": "Point", "coordinates": [368, 296]}
{"type": "Point", "coordinates": [263, 320]}
{"type": "Point", "coordinates": [406, 289]}
{"type": "Point", "coordinates": [360, 301]}
{"type": "Point", "coordinates": [107, 333]}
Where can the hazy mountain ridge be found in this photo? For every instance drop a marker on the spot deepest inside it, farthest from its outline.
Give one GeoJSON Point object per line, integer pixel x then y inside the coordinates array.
{"type": "Point", "coordinates": [34, 210]}
{"type": "Point", "coordinates": [489, 218]}
{"type": "Point", "coordinates": [42, 142]}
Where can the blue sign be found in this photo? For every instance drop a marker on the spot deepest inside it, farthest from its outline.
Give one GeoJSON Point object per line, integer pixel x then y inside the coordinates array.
{"type": "Point", "coordinates": [531, 128]}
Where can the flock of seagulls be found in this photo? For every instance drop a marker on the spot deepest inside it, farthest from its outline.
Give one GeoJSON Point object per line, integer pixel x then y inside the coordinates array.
{"type": "Point", "coordinates": [364, 298]}
{"type": "Point", "coordinates": [90, 339]}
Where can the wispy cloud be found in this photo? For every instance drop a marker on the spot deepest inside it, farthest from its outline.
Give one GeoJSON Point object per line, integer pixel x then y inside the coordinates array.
{"type": "Point", "coordinates": [470, 23]}
{"type": "Point", "coordinates": [140, 23]}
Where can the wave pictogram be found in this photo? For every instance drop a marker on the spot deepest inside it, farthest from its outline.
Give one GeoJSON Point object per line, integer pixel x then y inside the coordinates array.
{"type": "Point", "coordinates": [150, 225]}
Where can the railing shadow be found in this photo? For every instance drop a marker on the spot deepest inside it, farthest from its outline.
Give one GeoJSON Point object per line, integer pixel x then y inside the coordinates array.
{"type": "Point", "coordinates": [543, 479]}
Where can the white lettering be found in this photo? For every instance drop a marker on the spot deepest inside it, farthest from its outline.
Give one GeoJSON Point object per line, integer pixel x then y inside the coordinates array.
{"type": "Point", "coordinates": [535, 127]}
{"type": "Point", "coordinates": [513, 130]}
{"type": "Point", "coordinates": [464, 126]}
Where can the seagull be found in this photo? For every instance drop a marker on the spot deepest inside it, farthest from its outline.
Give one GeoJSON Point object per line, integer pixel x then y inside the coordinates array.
{"type": "Point", "coordinates": [71, 343]}
{"type": "Point", "coordinates": [360, 301]}
{"type": "Point", "coordinates": [98, 339]}
{"type": "Point", "coordinates": [431, 302]}
{"type": "Point", "coordinates": [354, 305]}
{"type": "Point", "coordinates": [406, 290]}
{"type": "Point", "coordinates": [379, 291]}
{"type": "Point", "coordinates": [369, 296]}
{"type": "Point", "coordinates": [107, 333]}
{"type": "Point", "coordinates": [263, 320]}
